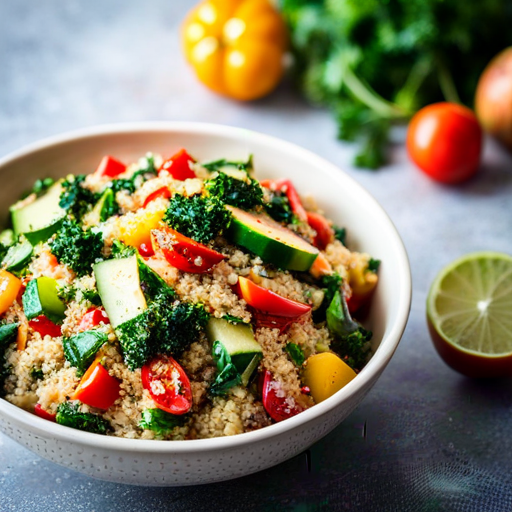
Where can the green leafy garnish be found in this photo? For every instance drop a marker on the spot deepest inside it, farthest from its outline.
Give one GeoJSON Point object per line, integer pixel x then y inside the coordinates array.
{"type": "Point", "coordinates": [69, 415]}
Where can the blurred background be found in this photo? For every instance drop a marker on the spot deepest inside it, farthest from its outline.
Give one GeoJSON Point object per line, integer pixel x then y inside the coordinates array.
{"type": "Point", "coordinates": [425, 438]}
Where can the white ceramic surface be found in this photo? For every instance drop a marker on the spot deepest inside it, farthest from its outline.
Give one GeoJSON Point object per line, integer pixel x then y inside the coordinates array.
{"type": "Point", "coordinates": [202, 461]}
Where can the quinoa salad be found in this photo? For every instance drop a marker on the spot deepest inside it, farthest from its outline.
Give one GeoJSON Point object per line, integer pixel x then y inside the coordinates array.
{"type": "Point", "coordinates": [175, 299]}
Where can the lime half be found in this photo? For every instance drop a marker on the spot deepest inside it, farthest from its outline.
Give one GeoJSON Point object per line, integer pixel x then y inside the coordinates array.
{"type": "Point", "coordinates": [469, 314]}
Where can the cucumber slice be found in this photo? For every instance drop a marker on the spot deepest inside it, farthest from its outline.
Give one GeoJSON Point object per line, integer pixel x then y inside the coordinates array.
{"type": "Point", "coordinates": [18, 256]}
{"type": "Point", "coordinates": [101, 209]}
{"type": "Point", "coordinates": [239, 343]}
{"type": "Point", "coordinates": [118, 284]}
{"type": "Point", "coordinates": [41, 298]}
{"type": "Point", "coordinates": [271, 242]}
{"type": "Point", "coordinates": [39, 220]}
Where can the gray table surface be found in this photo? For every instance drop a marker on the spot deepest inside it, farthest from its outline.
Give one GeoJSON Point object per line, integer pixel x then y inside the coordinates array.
{"type": "Point", "coordinates": [434, 439]}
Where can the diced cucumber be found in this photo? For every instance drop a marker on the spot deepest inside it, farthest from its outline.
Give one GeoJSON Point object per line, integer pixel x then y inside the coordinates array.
{"type": "Point", "coordinates": [39, 220]}
{"type": "Point", "coordinates": [41, 298]}
{"type": "Point", "coordinates": [81, 348]}
{"type": "Point", "coordinates": [101, 210]}
{"type": "Point", "coordinates": [7, 237]}
{"type": "Point", "coordinates": [7, 334]}
{"type": "Point", "coordinates": [271, 242]}
{"type": "Point", "coordinates": [18, 256]}
{"type": "Point", "coordinates": [239, 343]}
{"type": "Point", "coordinates": [118, 284]}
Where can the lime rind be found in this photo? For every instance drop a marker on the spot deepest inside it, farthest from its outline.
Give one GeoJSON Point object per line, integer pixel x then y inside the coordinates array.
{"type": "Point", "coordinates": [470, 304]}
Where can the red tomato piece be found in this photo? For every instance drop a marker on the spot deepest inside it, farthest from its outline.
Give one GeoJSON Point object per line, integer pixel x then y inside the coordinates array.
{"type": "Point", "coordinates": [159, 192]}
{"type": "Point", "coordinates": [278, 406]}
{"type": "Point", "coordinates": [324, 232]}
{"type": "Point", "coordinates": [272, 321]}
{"type": "Point", "coordinates": [146, 250]}
{"type": "Point", "coordinates": [178, 166]}
{"type": "Point", "coordinates": [184, 253]}
{"type": "Point", "coordinates": [39, 411]}
{"type": "Point", "coordinates": [269, 302]}
{"type": "Point", "coordinates": [110, 167]}
{"type": "Point", "coordinates": [445, 141]}
{"type": "Point", "coordinates": [167, 384]}
{"type": "Point", "coordinates": [92, 318]}
{"type": "Point", "coordinates": [44, 326]}
{"type": "Point", "coordinates": [289, 190]}
{"type": "Point", "coordinates": [97, 387]}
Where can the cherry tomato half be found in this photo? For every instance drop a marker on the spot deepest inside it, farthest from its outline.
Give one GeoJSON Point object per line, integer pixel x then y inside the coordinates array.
{"type": "Point", "coordinates": [265, 300]}
{"type": "Point", "coordinates": [97, 387]}
{"type": "Point", "coordinates": [92, 318]}
{"type": "Point", "coordinates": [324, 232]}
{"type": "Point", "coordinates": [445, 141]}
{"type": "Point", "coordinates": [167, 384]}
{"type": "Point", "coordinates": [110, 167]}
{"type": "Point", "coordinates": [39, 411]}
{"type": "Point", "coordinates": [278, 406]}
{"type": "Point", "coordinates": [178, 166]}
{"type": "Point", "coordinates": [44, 326]}
{"type": "Point", "coordinates": [184, 253]}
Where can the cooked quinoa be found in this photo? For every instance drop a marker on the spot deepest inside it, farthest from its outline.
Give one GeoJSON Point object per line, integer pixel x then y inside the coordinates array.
{"type": "Point", "coordinates": [168, 380]}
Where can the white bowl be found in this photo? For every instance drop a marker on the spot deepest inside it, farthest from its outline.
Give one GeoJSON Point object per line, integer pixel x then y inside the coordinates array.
{"type": "Point", "coordinates": [172, 463]}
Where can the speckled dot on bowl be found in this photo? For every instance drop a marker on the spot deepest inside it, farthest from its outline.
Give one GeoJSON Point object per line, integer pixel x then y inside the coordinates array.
{"type": "Point", "coordinates": [165, 463]}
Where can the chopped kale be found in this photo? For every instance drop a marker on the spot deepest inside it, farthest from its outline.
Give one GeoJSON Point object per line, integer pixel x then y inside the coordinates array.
{"type": "Point", "coordinates": [225, 380]}
{"type": "Point", "coordinates": [217, 165]}
{"type": "Point", "coordinates": [242, 193]}
{"type": "Point", "coordinates": [77, 248]}
{"type": "Point", "coordinates": [373, 265]}
{"type": "Point", "coordinates": [70, 292]}
{"type": "Point", "coordinates": [278, 207]}
{"type": "Point", "coordinates": [233, 319]}
{"type": "Point", "coordinates": [7, 335]}
{"type": "Point", "coordinates": [68, 414]}
{"type": "Point", "coordinates": [340, 234]}
{"type": "Point", "coordinates": [75, 198]}
{"type": "Point", "coordinates": [136, 340]}
{"type": "Point", "coordinates": [330, 284]}
{"type": "Point", "coordinates": [36, 373]}
{"type": "Point", "coordinates": [296, 354]}
{"type": "Point", "coordinates": [161, 422]}
{"type": "Point", "coordinates": [350, 338]}
{"type": "Point", "coordinates": [198, 217]}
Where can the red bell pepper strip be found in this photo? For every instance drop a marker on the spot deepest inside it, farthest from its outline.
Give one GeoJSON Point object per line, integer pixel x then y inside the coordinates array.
{"type": "Point", "coordinates": [278, 406]}
{"type": "Point", "coordinates": [110, 167]}
{"type": "Point", "coordinates": [97, 387]}
{"type": "Point", "coordinates": [184, 253]}
{"type": "Point", "coordinates": [178, 166]}
{"type": "Point", "coordinates": [324, 232]}
{"type": "Point", "coordinates": [92, 318]}
{"type": "Point", "coordinates": [289, 190]}
{"type": "Point", "coordinates": [167, 384]}
{"type": "Point", "coordinates": [39, 411]}
{"type": "Point", "coordinates": [44, 326]}
{"type": "Point", "coordinates": [159, 192]}
{"type": "Point", "coordinates": [269, 302]}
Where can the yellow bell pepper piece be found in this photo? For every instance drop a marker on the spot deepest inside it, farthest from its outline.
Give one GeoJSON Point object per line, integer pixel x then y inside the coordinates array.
{"type": "Point", "coordinates": [135, 228]}
{"type": "Point", "coordinates": [9, 287]}
{"type": "Point", "coordinates": [325, 374]}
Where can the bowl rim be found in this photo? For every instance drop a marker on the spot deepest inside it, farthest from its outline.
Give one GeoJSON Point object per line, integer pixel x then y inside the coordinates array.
{"type": "Point", "coordinates": [374, 367]}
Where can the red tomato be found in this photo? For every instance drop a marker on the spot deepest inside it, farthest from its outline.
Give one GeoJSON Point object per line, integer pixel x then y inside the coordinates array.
{"type": "Point", "coordinates": [110, 167]}
{"type": "Point", "coordinates": [97, 387]}
{"type": "Point", "coordinates": [178, 166]}
{"type": "Point", "coordinates": [167, 384]}
{"type": "Point", "coordinates": [39, 411]}
{"type": "Point", "coordinates": [324, 232]}
{"type": "Point", "coordinates": [288, 189]}
{"type": "Point", "coordinates": [184, 253]}
{"type": "Point", "coordinates": [278, 406]}
{"type": "Point", "coordinates": [44, 326]}
{"type": "Point", "coordinates": [445, 141]}
{"type": "Point", "coordinates": [92, 318]}
{"type": "Point", "coordinates": [159, 192]}
{"type": "Point", "coordinates": [269, 302]}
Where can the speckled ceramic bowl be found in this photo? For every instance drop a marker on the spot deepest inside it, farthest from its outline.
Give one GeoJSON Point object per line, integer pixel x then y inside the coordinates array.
{"type": "Point", "coordinates": [174, 463]}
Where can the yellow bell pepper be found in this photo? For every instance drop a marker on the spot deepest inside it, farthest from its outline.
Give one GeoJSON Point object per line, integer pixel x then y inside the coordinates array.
{"type": "Point", "coordinates": [236, 47]}
{"type": "Point", "coordinates": [325, 374]}
{"type": "Point", "coordinates": [135, 228]}
{"type": "Point", "coordinates": [9, 287]}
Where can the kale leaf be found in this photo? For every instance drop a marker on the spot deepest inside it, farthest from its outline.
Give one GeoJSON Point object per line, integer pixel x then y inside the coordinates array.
{"type": "Point", "coordinates": [75, 198]}
{"type": "Point", "coordinates": [245, 194]}
{"type": "Point", "coordinates": [69, 415]}
{"type": "Point", "coordinates": [278, 207]}
{"type": "Point", "coordinates": [161, 422]}
{"type": "Point", "coordinates": [217, 165]}
{"type": "Point", "coordinates": [198, 217]}
{"type": "Point", "coordinates": [77, 248]}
